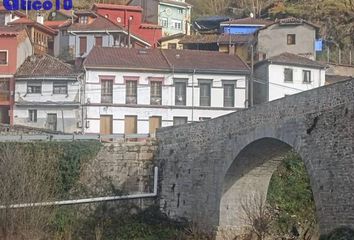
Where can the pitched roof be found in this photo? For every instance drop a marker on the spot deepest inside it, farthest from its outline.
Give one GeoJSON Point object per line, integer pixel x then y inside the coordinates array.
{"type": "Point", "coordinates": [117, 6]}
{"type": "Point", "coordinates": [336, 78]}
{"type": "Point", "coordinates": [29, 22]}
{"type": "Point", "coordinates": [249, 21]}
{"type": "Point", "coordinates": [57, 24]}
{"type": "Point", "coordinates": [100, 23]}
{"type": "Point", "coordinates": [217, 38]}
{"type": "Point", "coordinates": [45, 66]}
{"type": "Point", "coordinates": [292, 21]}
{"type": "Point", "coordinates": [10, 30]}
{"type": "Point", "coordinates": [171, 37]}
{"type": "Point", "coordinates": [293, 59]}
{"type": "Point", "coordinates": [163, 59]}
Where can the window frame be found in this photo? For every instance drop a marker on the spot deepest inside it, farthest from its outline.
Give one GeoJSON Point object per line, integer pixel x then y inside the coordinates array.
{"type": "Point", "coordinates": [131, 93]}
{"type": "Point", "coordinates": [184, 92]}
{"type": "Point", "coordinates": [291, 39]}
{"type": "Point", "coordinates": [7, 57]}
{"type": "Point", "coordinates": [164, 22]}
{"type": "Point", "coordinates": [200, 84]}
{"type": "Point", "coordinates": [233, 86]}
{"type": "Point", "coordinates": [180, 118]}
{"type": "Point", "coordinates": [107, 91]}
{"type": "Point", "coordinates": [292, 75]}
{"type": "Point", "coordinates": [60, 88]}
{"type": "Point", "coordinates": [178, 22]}
{"type": "Point", "coordinates": [38, 83]}
{"type": "Point", "coordinates": [304, 73]}
{"type": "Point", "coordinates": [155, 92]}
{"type": "Point", "coordinates": [32, 115]}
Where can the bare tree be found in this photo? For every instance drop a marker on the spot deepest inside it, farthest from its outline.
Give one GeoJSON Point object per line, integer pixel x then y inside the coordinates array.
{"type": "Point", "coordinates": [256, 215]}
{"type": "Point", "coordinates": [27, 175]}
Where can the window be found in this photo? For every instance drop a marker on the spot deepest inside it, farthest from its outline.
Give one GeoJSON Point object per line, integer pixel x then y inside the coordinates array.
{"type": "Point", "coordinates": [205, 90]}
{"type": "Point", "coordinates": [172, 46]}
{"type": "Point", "coordinates": [98, 41]}
{"type": "Point", "coordinates": [83, 45]}
{"type": "Point", "coordinates": [60, 88]}
{"type": "Point", "coordinates": [155, 93]}
{"type": "Point", "coordinates": [32, 115]}
{"type": "Point", "coordinates": [180, 11]}
{"type": "Point", "coordinates": [106, 91]}
{"type": "Point", "coordinates": [180, 93]}
{"type": "Point", "coordinates": [130, 125]}
{"type": "Point", "coordinates": [52, 121]}
{"type": "Point", "coordinates": [229, 95]}
{"type": "Point", "coordinates": [176, 24]}
{"type": "Point", "coordinates": [84, 19]}
{"type": "Point", "coordinates": [4, 89]}
{"type": "Point", "coordinates": [291, 39]}
{"type": "Point", "coordinates": [164, 22]}
{"type": "Point", "coordinates": [154, 124]}
{"type": "Point", "coordinates": [306, 76]}
{"type": "Point", "coordinates": [34, 87]}
{"type": "Point", "coordinates": [288, 75]}
{"type": "Point", "coordinates": [131, 92]}
{"type": "Point", "coordinates": [179, 121]}
{"type": "Point", "coordinates": [3, 57]}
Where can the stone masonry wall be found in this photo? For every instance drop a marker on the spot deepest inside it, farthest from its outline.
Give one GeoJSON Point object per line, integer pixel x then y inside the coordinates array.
{"type": "Point", "coordinates": [127, 165]}
{"type": "Point", "coordinates": [207, 167]}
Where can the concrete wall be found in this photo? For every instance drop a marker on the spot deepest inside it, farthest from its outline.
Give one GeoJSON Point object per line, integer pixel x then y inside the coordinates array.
{"type": "Point", "coordinates": [272, 40]}
{"type": "Point", "coordinates": [167, 110]}
{"type": "Point", "coordinates": [206, 168]}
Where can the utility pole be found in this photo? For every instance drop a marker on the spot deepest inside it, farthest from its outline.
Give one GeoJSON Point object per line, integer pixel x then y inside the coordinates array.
{"type": "Point", "coordinates": [251, 77]}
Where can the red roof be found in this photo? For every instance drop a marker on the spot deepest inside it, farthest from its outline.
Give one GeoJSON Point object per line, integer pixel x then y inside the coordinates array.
{"type": "Point", "coordinates": [100, 23]}
{"type": "Point", "coordinates": [164, 59]}
{"type": "Point", "coordinates": [28, 22]}
{"type": "Point", "coordinates": [117, 6]}
{"type": "Point", "coordinates": [57, 24]}
{"type": "Point", "coordinates": [10, 30]}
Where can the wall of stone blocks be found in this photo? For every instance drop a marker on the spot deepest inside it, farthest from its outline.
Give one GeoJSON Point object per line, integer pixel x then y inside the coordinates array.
{"type": "Point", "coordinates": [201, 163]}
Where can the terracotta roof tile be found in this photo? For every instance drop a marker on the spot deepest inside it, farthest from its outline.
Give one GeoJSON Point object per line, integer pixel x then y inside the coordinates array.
{"type": "Point", "coordinates": [11, 30]}
{"type": "Point", "coordinates": [293, 59]}
{"type": "Point", "coordinates": [57, 24]}
{"type": "Point", "coordinates": [216, 38]}
{"type": "Point", "coordinates": [158, 59]}
{"type": "Point", "coordinates": [45, 66]}
{"type": "Point", "coordinates": [100, 23]}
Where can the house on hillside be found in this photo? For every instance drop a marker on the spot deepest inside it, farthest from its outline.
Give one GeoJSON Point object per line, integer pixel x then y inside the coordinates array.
{"type": "Point", "coordinates": [15, 47]}
{"type": "Point", "coordinates": [291, 35]}
{"type": "Point", "coordinates": [47, 95]}
{"type": "Point", "coordinates": [91, 29]}
{"type": "Point", "coordinates": [284, 75]}
{"type": "Point", "coordinates": [130, 17]}
{"type": "Point", "coordinates": [173, 15]}
{"type": "Point", "coordinates": [129, 91]}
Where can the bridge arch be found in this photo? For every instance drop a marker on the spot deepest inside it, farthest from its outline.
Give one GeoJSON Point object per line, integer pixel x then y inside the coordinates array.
{"type": "Point", "coordinates": [249, 175]}
{"type": "Point", "coordinates": [199, 162]}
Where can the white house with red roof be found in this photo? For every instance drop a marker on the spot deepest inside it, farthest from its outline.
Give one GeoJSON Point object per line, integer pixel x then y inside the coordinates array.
{"type": "Point", "coordinates": [129, 91]}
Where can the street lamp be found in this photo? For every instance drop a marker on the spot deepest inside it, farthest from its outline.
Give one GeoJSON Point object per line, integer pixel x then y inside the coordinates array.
{"type": "Point", "coordinates": [129, 20]}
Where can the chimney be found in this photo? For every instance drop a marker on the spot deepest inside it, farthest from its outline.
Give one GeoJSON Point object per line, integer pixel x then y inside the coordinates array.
{"type": "Point", "coordinates": [40, 18]}
{"type": "Point", "coordinates": [232, 49]}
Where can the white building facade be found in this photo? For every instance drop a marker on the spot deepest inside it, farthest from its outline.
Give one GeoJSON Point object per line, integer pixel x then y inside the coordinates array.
{"type": "Point", "coordinates": [285, 75]}
{"type": "Point", "coordinates": [138, 101]}
{"type": "Point", "coordinates": [48, 96]}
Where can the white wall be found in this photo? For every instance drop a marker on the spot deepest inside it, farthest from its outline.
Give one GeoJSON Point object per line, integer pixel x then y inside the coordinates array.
{"type": "Point", "coordinates": [278, 88]}
{"type": "Point", "coordinates": [167, 110]}
{"type": "Point", "coordinates": [74, 42]}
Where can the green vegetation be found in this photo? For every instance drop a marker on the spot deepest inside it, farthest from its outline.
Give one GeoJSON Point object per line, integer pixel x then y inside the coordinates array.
{"type": "Point", "coordinates": [291, 199]}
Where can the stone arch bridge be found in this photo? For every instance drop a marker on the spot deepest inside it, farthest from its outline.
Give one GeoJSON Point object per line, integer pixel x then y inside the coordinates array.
{"type": "Point", "coordinates": [207, 168]}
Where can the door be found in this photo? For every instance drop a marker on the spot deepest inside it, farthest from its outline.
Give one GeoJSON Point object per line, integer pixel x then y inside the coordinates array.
{"type": "Point", "coordinates": [154, 123]}
{"type": "Point", "coordinates": [130, 125]}
{"type": "Point", "coordinates": [106, 125]}
{"type": "Point", "coordinates": [52, 121]}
